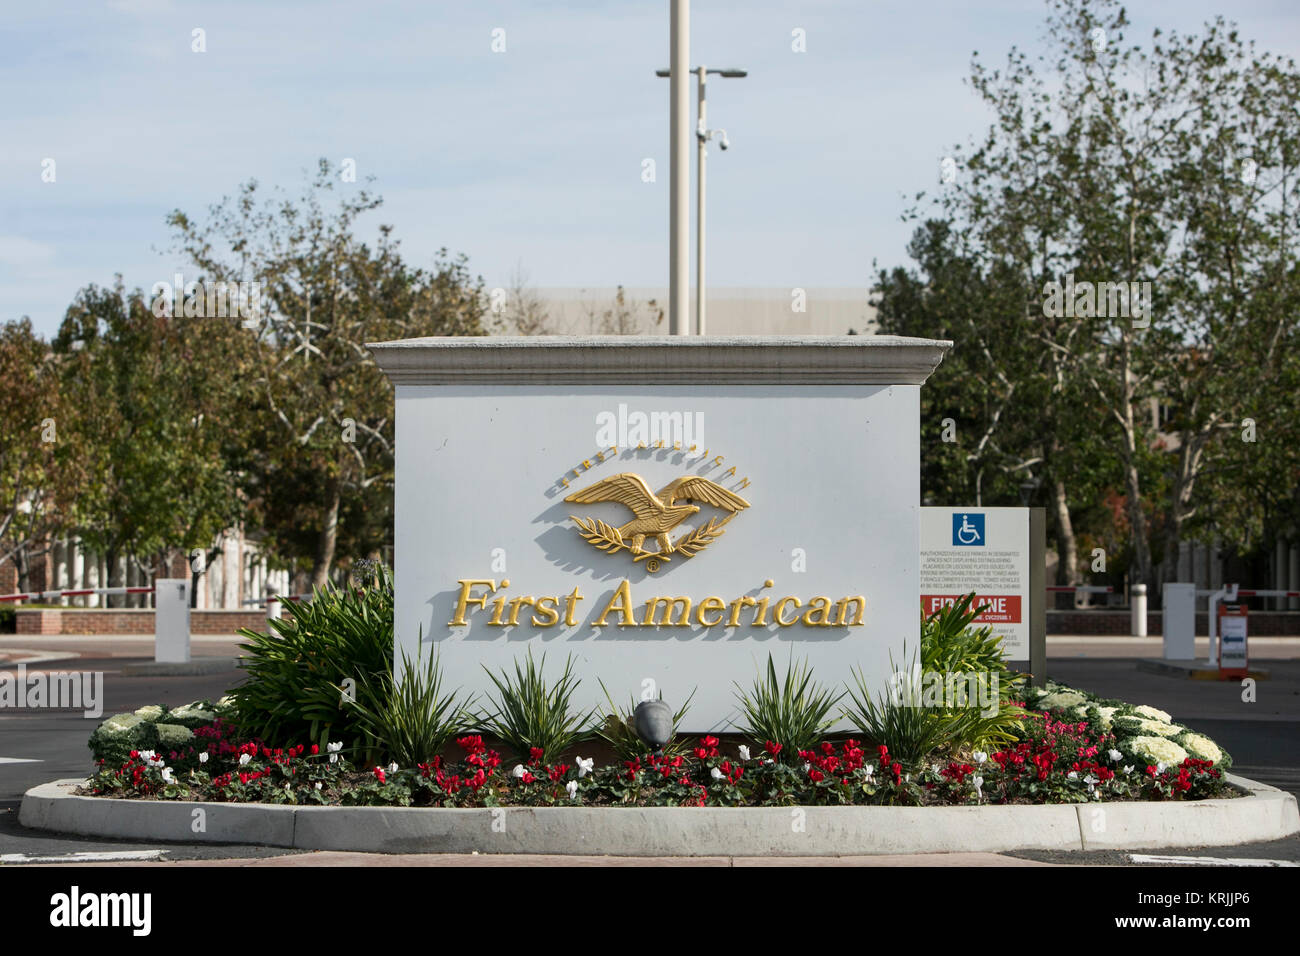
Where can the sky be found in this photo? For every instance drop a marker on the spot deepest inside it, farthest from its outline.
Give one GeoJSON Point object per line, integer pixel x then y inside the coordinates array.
{"type": "Point", "coordinates": [524, 159]}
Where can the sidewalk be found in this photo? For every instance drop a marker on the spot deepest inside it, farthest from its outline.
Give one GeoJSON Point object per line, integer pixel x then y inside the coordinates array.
{"type": "Point", "coordinates": [527, 860]}
{"type": "Point", "coordinates": [15, 649]}
{"type": "Point", "coordinates": [1121, 646]}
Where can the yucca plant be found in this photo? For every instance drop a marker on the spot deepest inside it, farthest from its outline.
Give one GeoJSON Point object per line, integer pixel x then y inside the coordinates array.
{"type": "Point", "coordinates": [407, 720]}
{"type": "Point", "coordinates": [615, 727]}
{"type": "Point", "coordinates": [527, 712]}
{"type": "Point", "coordinates": [794, 711]}
{"type": "Point", "coordinates": [911, 726]}
{"type": "Point", "coordinates": [291, 692]}
{"type": "Point", "coordinates": [911, 732]}
{"type": "Point", "coordinates": [952, 644]}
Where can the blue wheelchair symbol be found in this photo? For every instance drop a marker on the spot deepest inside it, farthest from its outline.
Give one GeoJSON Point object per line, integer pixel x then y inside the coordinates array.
{"type": "Point", "coordinates": [968, 530]}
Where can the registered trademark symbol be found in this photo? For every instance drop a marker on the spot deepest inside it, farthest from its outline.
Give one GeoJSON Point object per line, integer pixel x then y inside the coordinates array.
{"type": "Point", "coordinates": [652, 565]}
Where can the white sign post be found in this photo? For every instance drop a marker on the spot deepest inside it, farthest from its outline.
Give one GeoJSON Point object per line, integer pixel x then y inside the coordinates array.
{"type": "Point", "coordinates": [988, 551]}
{"type": "Point", "coordinates": [1178, 623]}
{"type": "Point", "coordinates": [171, 621]}
{"type": "Point", "coordinates": [669, 511]}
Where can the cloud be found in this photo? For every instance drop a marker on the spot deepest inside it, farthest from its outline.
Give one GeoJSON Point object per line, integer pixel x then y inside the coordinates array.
{"type": "Point", "coordinates": [20, 252]}
{"type": "Point", "coordinates": [141, 8]}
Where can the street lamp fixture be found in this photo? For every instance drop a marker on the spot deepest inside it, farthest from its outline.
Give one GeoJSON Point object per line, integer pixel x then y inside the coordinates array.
{"type": "Point", "coordinates": [702, 136]}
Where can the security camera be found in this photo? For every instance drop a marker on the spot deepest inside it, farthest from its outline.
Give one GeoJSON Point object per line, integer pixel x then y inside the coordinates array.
{"type": "Point", "coordinates": [724, 142]}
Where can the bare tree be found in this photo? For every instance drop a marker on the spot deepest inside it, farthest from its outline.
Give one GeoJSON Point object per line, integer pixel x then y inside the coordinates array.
{"type": "Point", "coordinates": [522, 310]}
{"type": "Point", "coordinates": [625, 316]}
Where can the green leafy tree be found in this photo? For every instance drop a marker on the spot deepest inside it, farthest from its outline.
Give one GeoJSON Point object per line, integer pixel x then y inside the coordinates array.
{"type": "Point", "coordinates": [323, 412]}
{"type": "Point", "coordinates": [1001, 419]}
{"type": "Point", "coordinates": [151, 402]}
{"type": "Point", "coordinates": [1172, 165]}
{"type": "Point", "coordinates": [38, 474]}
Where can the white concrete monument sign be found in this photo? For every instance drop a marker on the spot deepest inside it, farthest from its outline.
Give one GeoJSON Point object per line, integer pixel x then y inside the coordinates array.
{"type": "Point", "coordinates": [666, 510]}
{"type": "Point", "coordinates": [985, 550]}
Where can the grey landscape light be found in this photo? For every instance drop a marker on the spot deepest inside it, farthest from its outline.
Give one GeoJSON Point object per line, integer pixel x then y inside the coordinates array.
{"type": "Point", "coordinates": [653, 722]}
{"type": "Point", "coordinates": [702, 136]}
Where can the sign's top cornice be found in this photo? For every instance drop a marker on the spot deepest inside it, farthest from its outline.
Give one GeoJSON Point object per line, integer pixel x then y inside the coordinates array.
{"type": "Point", "coordinates": [661, 359]}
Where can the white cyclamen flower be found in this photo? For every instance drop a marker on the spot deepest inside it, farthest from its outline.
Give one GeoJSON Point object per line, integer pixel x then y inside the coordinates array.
{"type": "Point", "coordinates": [167, 775]}
{"type": "Point", "coordinates": [203, 757]}
{"type": "Point", "coordinates": [244, 759]}
{"type": "Point", "coordinates": [744, 752]}
{"type": "Point", "coordinates": [1091, 781]}
{"type": "Point", "coordinates": [715, 773]}
{"type": "Point", "coordinates": [318, 785]}
{"type": "Point", "coordinates": [807, 767]}
{"type": "Point", "coordinates": [979, 756]}
{"type": "Point", "coordinates": [1115, 756]}
{"type": "Point", "coordinates": [1128, 768]}
{"type": "Point", "coordinates": [392, 767]}
{"type": "Point", "coordinates": [518, 772]}
{"type": "Point", "coordinates": [585, 765]}
{"type": "Point", "coordinates": [572, 788]}
{"type": "Point", "coordinates": [978, 783]}
{"type": "Point", "coordinates": [869, 770]}
{"type": "Point", "coordinates": [146, 755]}
{"type": "Point", "coordinates": [334, 747]}
{"type": "Point", "coordinates": [1072, 775]}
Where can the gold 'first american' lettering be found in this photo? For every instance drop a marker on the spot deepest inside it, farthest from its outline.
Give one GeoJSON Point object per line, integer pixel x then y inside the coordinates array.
{"type": "Point", "coordinates": [658, 611]}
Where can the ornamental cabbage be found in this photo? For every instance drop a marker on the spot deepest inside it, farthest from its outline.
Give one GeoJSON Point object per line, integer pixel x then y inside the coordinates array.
{"type": "Point", "coordinates": [1154, 713]}
{"type": "Point", "coordinates": [1061, 699]}
{"type": "Point", "coordinates": [1143, 726]}
{"type": "Point", "coordinates": [1155, 750]}
{"type": "Point", "coordinates": [1201, 747]}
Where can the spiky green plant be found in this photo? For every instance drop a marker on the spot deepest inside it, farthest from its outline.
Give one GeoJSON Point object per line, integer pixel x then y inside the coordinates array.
{"type": "Point", "coordinates": [889, 716]}
{"type": "Point", "coordinates": [294, 670]}
{"type": "Point", "coordinates": [408, 720]}
{"type": "Point", "coordinates": [793, 711]}
{"type": "Point", "coordinates": [528, 712]}
{"type": "Point", "coordinates": [900, 718]}
{"type": "Point", "coordinates": [952, 644]}
{"type": "Point", "coordinates": [614, 726]}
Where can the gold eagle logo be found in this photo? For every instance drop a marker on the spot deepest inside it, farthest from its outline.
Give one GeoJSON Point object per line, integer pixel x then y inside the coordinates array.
{"type": "Point", "coordinates": [654, 515]}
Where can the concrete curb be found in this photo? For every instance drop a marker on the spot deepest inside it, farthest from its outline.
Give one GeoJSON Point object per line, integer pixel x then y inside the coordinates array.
{"type": "Point", "coordinates": [1264, 814]}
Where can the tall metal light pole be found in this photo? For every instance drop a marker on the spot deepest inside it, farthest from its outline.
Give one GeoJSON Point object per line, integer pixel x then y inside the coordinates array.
{"type": "Point", "coordinates": [702, 136]}
{"type": "Point", "coordinates": [679, 170]}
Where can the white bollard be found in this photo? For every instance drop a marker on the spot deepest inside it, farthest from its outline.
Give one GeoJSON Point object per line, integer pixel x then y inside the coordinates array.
{"type": "Point", "coordinates": [273, 611]}
{"type": "Point", "coordinates": [1179, 628]}
{"type": "Point", "coordinates": [1138, 601]}
{"type": "Point", "coordinates": [171, 621]}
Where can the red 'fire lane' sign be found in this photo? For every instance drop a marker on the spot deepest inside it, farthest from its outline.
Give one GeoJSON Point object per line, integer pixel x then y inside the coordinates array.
{"type": "Point", "coordinates": [1002, 608]}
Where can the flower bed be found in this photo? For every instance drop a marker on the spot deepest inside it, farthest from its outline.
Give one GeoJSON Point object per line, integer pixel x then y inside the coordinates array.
{"type": "Point", "coordinates": [1145, 735]}
{"type": "Point", "coordinates": [1071, 747]}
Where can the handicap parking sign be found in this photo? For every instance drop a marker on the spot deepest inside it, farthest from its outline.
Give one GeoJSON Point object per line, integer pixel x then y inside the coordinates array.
{"type": "Point", "coordinates": [967, 529]}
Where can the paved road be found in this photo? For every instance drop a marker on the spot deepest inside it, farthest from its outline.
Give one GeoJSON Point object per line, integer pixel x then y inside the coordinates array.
{"type": "Point", "coordinates": [57, 739]}
{"type": "Point", "coordinates": [1263, 736]}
